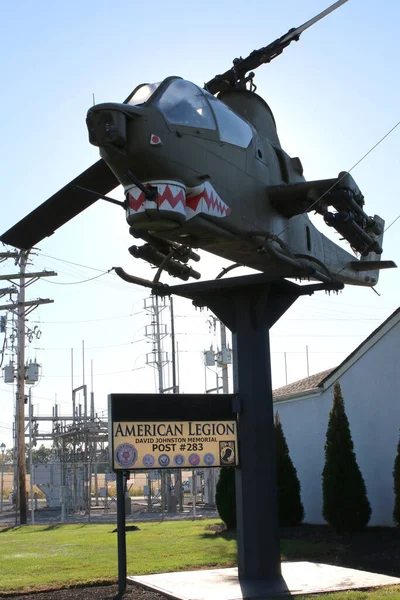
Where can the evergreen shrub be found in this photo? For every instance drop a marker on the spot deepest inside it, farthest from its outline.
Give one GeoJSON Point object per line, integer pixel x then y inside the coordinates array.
{"type": "Point", "coordinates": [345, 503]}
{"type": "Point", "coordinates": [225, 496]}
{"type": "Point", "coordinates": [291, 511]}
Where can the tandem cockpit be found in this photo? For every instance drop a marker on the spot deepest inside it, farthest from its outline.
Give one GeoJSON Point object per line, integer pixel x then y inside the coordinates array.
{"type": "Point", "coordinates": [236, 117]}
{"type": "Point", "coordinates": [184, 103]}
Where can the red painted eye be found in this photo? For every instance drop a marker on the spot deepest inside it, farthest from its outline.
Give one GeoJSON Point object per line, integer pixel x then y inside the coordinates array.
{"type": "Point", "coordinates": [155, 140]}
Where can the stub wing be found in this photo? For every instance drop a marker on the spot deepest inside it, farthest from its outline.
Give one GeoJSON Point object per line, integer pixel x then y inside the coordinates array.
{"type": "Point", "coordinates": [63, 206]}
{"type": "Point", "coordinates": [364, 233]}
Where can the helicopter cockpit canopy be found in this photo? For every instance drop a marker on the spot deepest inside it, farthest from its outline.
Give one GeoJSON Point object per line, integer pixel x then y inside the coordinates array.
{"type": "Point", "coordinates": [184, 103]}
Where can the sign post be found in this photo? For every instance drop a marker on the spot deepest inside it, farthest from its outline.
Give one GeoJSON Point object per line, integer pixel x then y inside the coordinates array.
{"type": "Point", "coordinates": [121, 533]}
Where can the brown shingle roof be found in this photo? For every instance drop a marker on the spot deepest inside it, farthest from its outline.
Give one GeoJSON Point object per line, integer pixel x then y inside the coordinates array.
{"type": "Point", "coordinates": [303, 385]}
{"type": "Point", "coordinates": [315, 381]}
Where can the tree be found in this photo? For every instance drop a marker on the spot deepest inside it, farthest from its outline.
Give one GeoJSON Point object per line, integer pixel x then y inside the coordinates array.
{"type": "Point", "coordinates": [39, 455]}
{"type": "Point", "coordinates": [290, 507]}
{"type": "Point", "coordinates": [396, 480]}
{"type": "Point", "coordinates": [225, 496]}
{"type": "Point", "coordinates": [345, 501]}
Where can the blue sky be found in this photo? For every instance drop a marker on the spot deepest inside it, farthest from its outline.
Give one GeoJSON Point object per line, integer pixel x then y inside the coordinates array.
{"type": "Point", "coordinates": [334, 94]}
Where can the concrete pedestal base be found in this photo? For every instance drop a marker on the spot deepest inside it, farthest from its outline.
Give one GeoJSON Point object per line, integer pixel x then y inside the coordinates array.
{"type": "Point", "coordinates": [298, 578]}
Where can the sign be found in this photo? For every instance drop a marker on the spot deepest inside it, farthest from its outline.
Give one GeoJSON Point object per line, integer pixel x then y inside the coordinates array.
{"type": "Point", "coordinates": [174, 444]}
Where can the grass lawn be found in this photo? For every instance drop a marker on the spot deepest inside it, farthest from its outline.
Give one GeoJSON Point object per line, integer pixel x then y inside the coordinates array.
{"type": "Point", "coordinates": [56, 556]}
{"type": "Point", "coordinates": [42, 557]}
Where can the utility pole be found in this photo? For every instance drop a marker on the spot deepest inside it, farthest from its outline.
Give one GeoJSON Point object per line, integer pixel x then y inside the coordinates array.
{"type": "Point", "coordinates": [222, 358]}
{"type": "Point", "coordinates": [175, 388]}
{"type": "Point", "coordinates": [21, 466]}
{"type": "Point", "coordinates": [224, 367]}
{"type": "Point", "coordinates": [156, 331]}
{"type": "Point", "coordinates": [31, 458]}
{"type": "Point", "coordinates": [159, 349]}
{"type": "Point", "coordinates": [22, 308]}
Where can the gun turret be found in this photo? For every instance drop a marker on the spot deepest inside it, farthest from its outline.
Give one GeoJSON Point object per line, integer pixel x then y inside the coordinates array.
{"type": "Point", "coordinates": [237, 76]}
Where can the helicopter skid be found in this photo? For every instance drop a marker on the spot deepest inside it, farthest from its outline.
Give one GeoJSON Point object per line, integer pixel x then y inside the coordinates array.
{"type": "Point", "coordinates": [174, 205]}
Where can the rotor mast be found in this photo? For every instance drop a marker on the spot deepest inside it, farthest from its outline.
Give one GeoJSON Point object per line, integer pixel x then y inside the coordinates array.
{"type": "Point", "coordinates": [236, 75]}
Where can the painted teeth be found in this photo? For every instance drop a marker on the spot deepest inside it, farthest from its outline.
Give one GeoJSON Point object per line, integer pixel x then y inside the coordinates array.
{"type": "Point", "coordinates": [202, 199]}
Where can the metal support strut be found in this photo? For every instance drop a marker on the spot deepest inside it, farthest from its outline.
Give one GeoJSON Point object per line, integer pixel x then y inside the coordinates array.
{"type": "Point", "coordinates": [121, 533]}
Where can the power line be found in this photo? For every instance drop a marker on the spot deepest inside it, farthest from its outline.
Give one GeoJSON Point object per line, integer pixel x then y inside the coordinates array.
{"type": "Point", "coordinates": [96, 374]}
{"type": "Point", "coordinates": [93, 347]}
{"type": "Point", "coordinates": [76, 282]}
{"type": "Point", "coordinates": [354, 166]}
{"type": "Point", "coordinates": [70, 262]}
{"type": "Point", "coordinates": [113, 284]}
{"type": "Point", "coordinates": [343, 176]}
{"type": "Point", "coordinates": [392, 223]}
{"type": "Point", "coordinates": [90, 320]}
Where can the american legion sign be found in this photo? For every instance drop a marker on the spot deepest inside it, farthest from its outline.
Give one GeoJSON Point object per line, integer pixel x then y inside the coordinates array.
{"type": "Point", "coordinates": [178, 431]}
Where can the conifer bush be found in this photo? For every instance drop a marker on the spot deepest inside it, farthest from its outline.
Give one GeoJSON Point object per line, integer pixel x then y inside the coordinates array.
{"type": "Point", "coordinates": [345, 503]}
{"type": "Point", "coordinates": [225, 496]}
{"type": "Point", "coordinates": [396, 481]}
{"type": "Point", "coordinates": [290, 507]}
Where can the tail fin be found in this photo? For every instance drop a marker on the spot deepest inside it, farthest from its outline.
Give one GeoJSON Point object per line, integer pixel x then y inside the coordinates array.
{"type": "Point", "coordinates": [372, 261]}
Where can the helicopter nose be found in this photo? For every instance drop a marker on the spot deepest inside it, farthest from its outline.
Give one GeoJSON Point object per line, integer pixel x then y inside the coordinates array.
{"type": "Point", "coordinates": [106, 123]}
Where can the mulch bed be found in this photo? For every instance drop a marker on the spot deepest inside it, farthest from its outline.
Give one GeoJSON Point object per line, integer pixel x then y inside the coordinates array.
{"type": "Point", "coordinates": [107, 592]}
{"type": "Point", "coordinates": [376, 549]}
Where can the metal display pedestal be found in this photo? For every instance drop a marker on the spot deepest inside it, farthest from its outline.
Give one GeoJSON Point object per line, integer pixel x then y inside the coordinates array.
{"type": "Point", "coordinates": [249, 306]}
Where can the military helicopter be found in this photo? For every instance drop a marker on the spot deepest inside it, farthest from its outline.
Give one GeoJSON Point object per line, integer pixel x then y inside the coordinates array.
{"type": "Point", "coordinates": [204, 168]}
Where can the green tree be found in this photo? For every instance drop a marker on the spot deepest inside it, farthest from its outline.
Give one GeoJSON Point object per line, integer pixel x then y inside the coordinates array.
{"type": "Point", "coordinates": [291, 511]}
{"type": "Point", "coordinates": [225, 496]}
{"type": "Point", "coordinates": [396, 480]}
{"type": "Point", "coordinates": [345, 501]}
{"type": "Point", "coordinates": [39, 455]}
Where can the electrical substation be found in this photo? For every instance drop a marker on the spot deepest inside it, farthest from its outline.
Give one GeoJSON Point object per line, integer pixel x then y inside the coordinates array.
{"type": "Point", "coordinates": [76, 478]}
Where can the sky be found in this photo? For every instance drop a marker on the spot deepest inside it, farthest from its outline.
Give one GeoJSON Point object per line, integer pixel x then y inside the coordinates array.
{"type": "Point", "coordinates": [334, 94]}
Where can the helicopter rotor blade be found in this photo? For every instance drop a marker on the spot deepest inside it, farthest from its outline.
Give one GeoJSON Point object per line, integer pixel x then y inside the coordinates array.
{"type": "Point", "coordinates": [236, 75]}
{"type": "Point", "coordinates": [63, 206]}
{"type": "Point", "coordinates": [293, 34]}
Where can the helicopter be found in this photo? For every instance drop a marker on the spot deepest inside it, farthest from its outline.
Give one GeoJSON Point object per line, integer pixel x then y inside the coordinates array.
{"type": "Point", "coordinates": [203, 168]}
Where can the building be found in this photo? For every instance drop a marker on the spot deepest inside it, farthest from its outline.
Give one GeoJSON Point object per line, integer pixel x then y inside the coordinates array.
{"type": "Point", "coordinates": [370, 382]}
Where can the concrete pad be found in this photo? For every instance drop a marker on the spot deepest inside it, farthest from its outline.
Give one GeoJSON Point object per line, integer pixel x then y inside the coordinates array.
{"type": "Point", "coordinates": [298, 578]}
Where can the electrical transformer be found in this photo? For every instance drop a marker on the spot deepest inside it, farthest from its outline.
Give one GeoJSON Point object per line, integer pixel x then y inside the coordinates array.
{"type": "Point", "coordinates": [9, 373]}
{"type": "Point", "coordinates": [32, 372]}
{"type": "Point", "coordinates": [209, 358]}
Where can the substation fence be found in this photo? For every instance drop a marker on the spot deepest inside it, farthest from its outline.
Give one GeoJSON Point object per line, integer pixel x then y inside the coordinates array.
{"type": "Point", "coordinates": [79, 487]}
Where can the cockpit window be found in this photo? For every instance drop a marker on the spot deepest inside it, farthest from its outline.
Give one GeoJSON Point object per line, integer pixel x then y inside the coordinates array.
{"type": "Point", "coordinates": [143, 93]}
{"type": "Point", "coordinates": [232, 128]}
{"type": "Point", "coordinates": [183, 103]}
